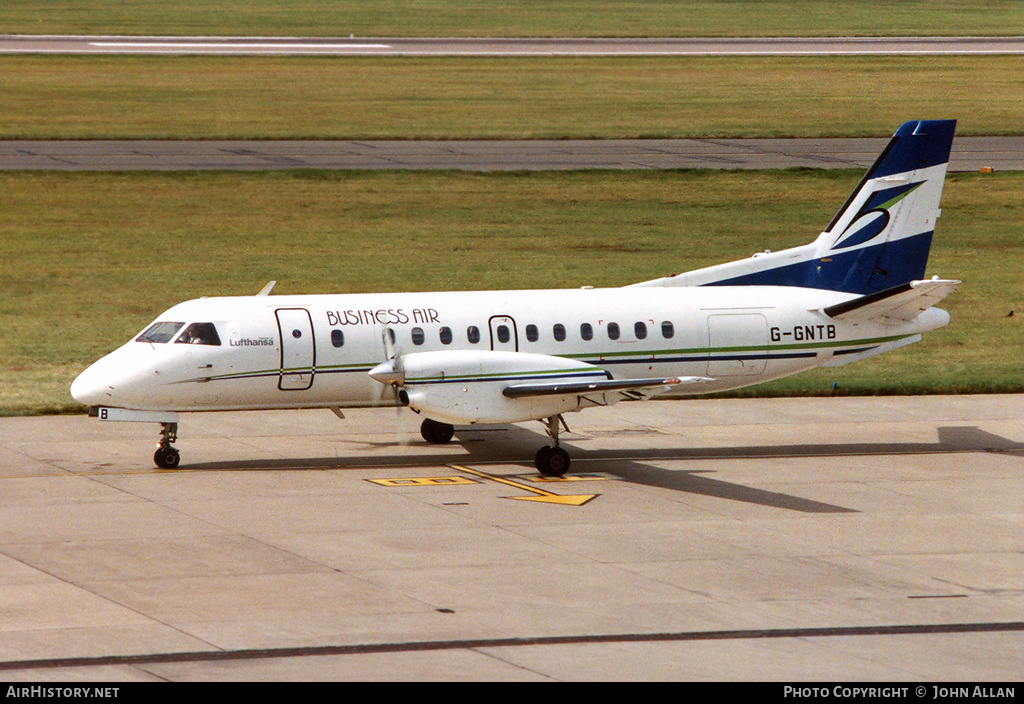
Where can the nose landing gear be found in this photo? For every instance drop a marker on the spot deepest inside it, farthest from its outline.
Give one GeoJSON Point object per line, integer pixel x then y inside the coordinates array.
{"type": "Point", "coordinates": [167, 457]}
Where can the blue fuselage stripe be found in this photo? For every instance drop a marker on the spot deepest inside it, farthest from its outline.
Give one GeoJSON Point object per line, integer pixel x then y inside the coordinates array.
{"type": "Point", "coordinates": [864, 270]}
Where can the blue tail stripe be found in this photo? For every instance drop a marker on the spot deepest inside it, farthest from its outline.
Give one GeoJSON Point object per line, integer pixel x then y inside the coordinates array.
{"type": "Point", "coordinates": [870, 228]}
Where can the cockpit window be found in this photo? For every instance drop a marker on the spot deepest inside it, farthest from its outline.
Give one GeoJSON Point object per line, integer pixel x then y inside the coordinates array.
{"type": "Point", "coordinates": [199, 334]}
{"type": "Point", "coordinates": [159, 333]}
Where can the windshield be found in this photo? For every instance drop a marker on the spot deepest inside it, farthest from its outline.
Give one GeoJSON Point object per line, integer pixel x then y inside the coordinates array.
{"type": "Point", "coordinates": [159, 333]}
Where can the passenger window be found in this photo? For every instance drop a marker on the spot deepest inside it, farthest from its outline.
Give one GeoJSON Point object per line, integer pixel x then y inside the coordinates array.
{"type": "Point", "coordinates": [446, 336]}
{"type": "Point", "coordinates": [532, 334]}
{"type": "Point", "coordinates": [199, 334]}
{"type": "Point", "coordinates": [337, 338]}
{"type": "Point", "coordinates": [668, 331]}
{"type": "Point", "coordinates": [159, 333]}
{"type": "Point", "coordinates": [613, 331]}
{"type": "Point", "coordinates": [473, 334]}
{"type": "Point", "coordinates": [559, 332]}
{"type": "Point", "coordinates": [417, 336]}
{"type": "Point", "coordinates": [587, 331]}
{"type": "Point", "coordinates": [503, 334]}
{"type": "Point", "coordinates": [640, 330]}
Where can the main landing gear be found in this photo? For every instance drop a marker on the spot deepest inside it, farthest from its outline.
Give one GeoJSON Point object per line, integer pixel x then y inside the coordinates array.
{"type": "Point", "coordinates": [436, 433]}
{"type": "Point", "coordinates": [552, 461]}
{"type": "Point", "coordinates": [167, 457]}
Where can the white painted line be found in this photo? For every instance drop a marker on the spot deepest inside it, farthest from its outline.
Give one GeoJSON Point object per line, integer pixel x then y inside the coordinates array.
{"type": "Point", "coordinates": [230, 45]}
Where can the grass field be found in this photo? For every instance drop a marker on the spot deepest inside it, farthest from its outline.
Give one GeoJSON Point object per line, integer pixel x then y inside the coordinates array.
{"type": "Point", "coordinates": [425, 98]}
{"type": "Point", "coordinates": [535, 18]}
{"type": "Point", "coordinates": [89, 259]}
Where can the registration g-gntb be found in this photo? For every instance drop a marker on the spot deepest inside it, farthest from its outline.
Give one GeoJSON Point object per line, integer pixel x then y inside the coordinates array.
{"type": "Point", "coordinates": [456, 358]}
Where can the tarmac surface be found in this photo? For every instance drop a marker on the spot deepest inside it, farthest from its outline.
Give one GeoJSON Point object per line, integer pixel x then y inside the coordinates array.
{"type": "Point", "coordinates": [867, 539]}
{"type": "Point", "coordinates": [968, 154]}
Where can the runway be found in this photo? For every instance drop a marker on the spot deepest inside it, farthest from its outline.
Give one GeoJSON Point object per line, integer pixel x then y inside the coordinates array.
{"type": "Point", "coordinates": [437, 46]}
{"type": "Point", "coordinates": [969, 154]}
{"type": "Point", "coordinates": [843, 539]}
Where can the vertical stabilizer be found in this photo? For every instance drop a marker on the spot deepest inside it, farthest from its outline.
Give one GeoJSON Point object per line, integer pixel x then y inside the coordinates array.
{"type": "Point", "coordinates": [879, 239]}
{"type": "Point", "coordinates": [882, 236]}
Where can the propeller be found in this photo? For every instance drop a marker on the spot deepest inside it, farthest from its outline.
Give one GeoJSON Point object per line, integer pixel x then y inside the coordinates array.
{"type": "Point", "coordinates": [391, 374]}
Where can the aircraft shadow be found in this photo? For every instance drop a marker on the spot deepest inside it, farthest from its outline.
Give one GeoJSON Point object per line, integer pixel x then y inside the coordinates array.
{"type": "Point", "coordinates": [515, 444]}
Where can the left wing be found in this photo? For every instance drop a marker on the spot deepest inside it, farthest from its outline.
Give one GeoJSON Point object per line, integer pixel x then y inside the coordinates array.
{"type": "Point", "coordinates": [484, 386]}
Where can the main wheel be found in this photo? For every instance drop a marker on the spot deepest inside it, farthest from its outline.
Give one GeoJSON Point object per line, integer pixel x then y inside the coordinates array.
{"type": "Point", "coordinates": [552, 461]}
{"type": "Point", "coordinates": [166, 457]}
{"type": "Point", "coordinates": [436, 433]}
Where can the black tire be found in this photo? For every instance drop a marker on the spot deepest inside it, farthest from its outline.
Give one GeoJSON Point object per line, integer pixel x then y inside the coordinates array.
{"type": "Point", "coordinates": [166, 458]}
{"type": "Point", "coordinates": [540, 460]}
{"type": "Point", "coordinates": [552, 461]}
{"type": "Point", "coordinates": [436, 433]}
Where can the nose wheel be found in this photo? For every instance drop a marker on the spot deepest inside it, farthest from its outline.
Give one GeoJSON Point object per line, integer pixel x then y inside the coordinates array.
{"type": "Point", "coordinates": [167, 457]}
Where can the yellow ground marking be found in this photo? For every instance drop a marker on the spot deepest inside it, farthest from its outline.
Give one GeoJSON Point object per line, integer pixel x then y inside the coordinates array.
{"type": "Point", "coordinates": [424, 481]}
{"type": "Point", "coordinates": [543, 496]}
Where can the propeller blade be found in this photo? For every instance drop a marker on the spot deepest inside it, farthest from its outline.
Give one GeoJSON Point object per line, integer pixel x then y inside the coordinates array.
{"type": "Point", "coordinates": [388, 338]}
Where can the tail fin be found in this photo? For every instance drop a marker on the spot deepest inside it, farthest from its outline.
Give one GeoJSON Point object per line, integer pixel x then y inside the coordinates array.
{"type": "Point", "coordinates": [878, 240]}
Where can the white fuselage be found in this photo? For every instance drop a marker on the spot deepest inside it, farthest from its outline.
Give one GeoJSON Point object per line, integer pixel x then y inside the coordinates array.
{"type": "Point", "coordinates": [316, 351]}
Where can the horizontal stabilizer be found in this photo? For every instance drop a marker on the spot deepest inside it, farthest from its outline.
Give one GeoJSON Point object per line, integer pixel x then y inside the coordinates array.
{"type": "Point", "coordinates": [656, 385]}
{"type": "Point", "coordinates": [899, 304]}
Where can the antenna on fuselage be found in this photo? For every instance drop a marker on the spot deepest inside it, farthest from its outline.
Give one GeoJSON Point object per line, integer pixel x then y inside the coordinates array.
{"type": "Point", "coordinates": [266, 289]}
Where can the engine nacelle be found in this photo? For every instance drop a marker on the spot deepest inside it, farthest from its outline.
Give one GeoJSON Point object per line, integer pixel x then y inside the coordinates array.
{"type": "Point", "coordinates": [466, 386]}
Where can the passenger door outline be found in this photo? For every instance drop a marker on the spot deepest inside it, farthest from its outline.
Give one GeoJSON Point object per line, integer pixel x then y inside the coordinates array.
{"type": "Point", "coordinates": [298, 349]}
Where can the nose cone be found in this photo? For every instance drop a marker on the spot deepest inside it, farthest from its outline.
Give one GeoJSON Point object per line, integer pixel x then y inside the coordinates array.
{"type": "Point", "coordinates": [91, 387]}
{"type": "Point", "coordinates": [104, 383]}
{"type": "Point", "coordinates": [138, 376]}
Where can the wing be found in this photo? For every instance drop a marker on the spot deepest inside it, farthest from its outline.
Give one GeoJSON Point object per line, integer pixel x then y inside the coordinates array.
{"type": "Point", "coordinates": [594, 391]}
{"type": "Point", "coordinates": [484, 386]}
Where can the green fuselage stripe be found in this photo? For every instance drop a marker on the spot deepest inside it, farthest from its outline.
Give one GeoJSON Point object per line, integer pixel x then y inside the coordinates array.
{"type": "Point", "coordinates": [641, 355]}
